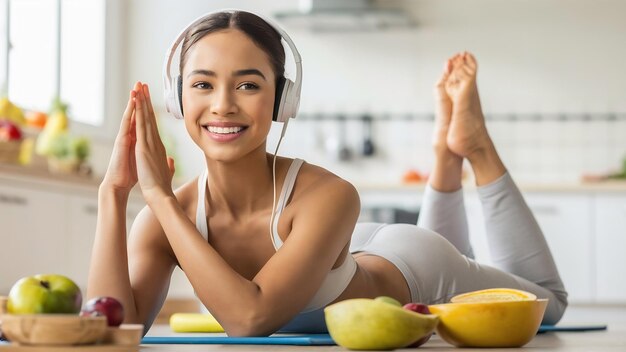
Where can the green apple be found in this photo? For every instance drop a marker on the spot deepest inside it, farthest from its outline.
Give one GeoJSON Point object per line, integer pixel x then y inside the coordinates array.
{"type": "Point", "coordinates": [44, 294]}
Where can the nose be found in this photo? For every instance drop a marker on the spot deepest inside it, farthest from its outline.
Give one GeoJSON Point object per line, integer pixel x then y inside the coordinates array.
{"type": "Point", "coordinates": [223, 103]}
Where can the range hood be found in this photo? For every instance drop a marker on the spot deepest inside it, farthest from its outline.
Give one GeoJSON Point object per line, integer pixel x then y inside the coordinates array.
{"type": "Point", "coordinates": [345, 16]}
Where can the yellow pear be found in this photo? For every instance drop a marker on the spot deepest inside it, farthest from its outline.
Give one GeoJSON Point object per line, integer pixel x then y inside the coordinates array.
{"type": "Point", "coordinates": [370, 324]}
{"type": "Point", "coordinates": [56, 125]}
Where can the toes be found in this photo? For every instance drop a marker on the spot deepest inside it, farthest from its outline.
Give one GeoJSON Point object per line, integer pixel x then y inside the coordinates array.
{"type": "Point", "coordinates": [471, 61]}
{"type": "Point", "coordinates": [463, 74]}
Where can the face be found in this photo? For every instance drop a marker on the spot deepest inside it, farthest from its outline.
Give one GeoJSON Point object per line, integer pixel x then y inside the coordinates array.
{"type": "Point", "coordinates": [228, 95]}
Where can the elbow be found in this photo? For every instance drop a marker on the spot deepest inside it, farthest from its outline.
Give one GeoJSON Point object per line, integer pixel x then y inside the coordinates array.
{"type": "Point", "coordinates": [250, 325]}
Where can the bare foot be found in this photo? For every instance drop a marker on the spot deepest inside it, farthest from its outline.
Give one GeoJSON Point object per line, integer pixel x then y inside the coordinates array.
{"type": "Point", "coordinates": [443, 112]}
{"type": "Point", "coordinates": [447, 169]}
{"type": "Point", "coordinates": [467, 132]}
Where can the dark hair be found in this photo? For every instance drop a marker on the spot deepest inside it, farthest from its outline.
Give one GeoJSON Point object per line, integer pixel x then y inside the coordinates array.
{"type": "Point", "coordinates": [261, 33]}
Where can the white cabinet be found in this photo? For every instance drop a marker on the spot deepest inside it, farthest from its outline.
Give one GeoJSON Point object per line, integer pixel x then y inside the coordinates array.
{"type": "Point", "coordinates": [82, 215]}
{"type": "Point", "coordinates": [567, 224]}
{"type": "Point", "coordinates": [610, 247]}
{"type": "Point", "coordinates": [82, 219]}
{"type": "Point", "coordinates": [47, 228]}
{"type": "Point", "coordinates": [33, 234]}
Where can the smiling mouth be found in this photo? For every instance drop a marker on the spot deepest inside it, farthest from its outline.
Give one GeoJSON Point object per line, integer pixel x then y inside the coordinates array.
{"type": "Point", "coordinates": [225, 130]}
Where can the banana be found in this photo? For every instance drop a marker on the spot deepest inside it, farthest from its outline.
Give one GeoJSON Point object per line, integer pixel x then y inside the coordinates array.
{"type": "Point", "coordinates": [11, 112]}
{"type": "Point", "coordinates": [194, 322]}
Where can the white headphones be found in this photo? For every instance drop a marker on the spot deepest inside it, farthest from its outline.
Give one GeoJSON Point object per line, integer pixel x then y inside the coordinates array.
{"type": "Point", "coordinates": [287, 92]}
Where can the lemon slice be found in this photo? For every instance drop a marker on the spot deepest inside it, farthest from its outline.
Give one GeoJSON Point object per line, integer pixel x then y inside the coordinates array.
{"type": "Point", "coordinates": [494, 295]}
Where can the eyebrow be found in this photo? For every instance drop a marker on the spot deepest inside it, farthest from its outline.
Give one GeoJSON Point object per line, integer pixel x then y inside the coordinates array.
{"type": "Point", "coordinates": [244, 72]}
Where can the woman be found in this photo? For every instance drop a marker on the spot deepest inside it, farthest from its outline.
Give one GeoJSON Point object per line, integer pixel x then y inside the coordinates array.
{"type": "Point", "coordinates": [215, 227]}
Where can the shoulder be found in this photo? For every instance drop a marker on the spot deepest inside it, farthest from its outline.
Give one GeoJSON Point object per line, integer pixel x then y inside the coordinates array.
{"type": "Point", "coordinates": [318, 188]}
{"type": "Point", "coordinates": [313, 178]}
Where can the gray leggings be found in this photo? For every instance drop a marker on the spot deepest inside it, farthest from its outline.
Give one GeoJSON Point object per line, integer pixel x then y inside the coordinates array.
{"type": "Point", "coordinates": [436, 257]}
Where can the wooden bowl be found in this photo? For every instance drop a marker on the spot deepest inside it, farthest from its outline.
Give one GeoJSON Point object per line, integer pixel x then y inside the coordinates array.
{"type": "Point", "coordinates": [124, 335]}
{"type": "Point", "coordinates": [53, 329]}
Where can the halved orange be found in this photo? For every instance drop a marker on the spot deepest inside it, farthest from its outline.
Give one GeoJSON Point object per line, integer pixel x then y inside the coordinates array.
{"type": "Point", "coordinates": [494, 295]}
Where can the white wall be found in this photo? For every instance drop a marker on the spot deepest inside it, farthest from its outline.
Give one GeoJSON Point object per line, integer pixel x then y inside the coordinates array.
{"type": "Point", "coordinates": [554, 56]}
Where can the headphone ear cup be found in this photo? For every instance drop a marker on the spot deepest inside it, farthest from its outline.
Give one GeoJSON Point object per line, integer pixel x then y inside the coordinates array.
{"type": "Point", "coordinates": [173, 95]}
{"type": "Point", "coordinates": [279, 98]}
{"type": "Point", "coordinates": [287, 103]}
{"type": "Point", "coordinates": [179, 95]}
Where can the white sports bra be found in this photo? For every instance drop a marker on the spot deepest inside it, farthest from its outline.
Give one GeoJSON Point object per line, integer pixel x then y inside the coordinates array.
{"type": "Point", "coordinates": [337, 279]}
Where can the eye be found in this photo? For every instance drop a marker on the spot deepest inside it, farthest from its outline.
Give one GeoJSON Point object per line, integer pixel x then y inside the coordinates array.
{"type": "Point", "coordinates": [248, 86]}
{"type": "Point", "coordinates": [202, 85]}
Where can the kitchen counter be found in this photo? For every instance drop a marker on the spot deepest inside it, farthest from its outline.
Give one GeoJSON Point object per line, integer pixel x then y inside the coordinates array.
{"type": "Point", "coordinates": [42, 175]}
{"type": "Point", "coordinates": [601, 186]}
{"type": "Point", "coordinates": [41, 178]}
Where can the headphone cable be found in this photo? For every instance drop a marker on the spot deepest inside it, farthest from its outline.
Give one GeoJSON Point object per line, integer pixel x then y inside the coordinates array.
{"type": "Point", "coordinates": [282, 134]}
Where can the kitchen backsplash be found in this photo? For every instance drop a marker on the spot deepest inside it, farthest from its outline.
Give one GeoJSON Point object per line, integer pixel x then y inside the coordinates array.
{"type": "Point", "coordinates": [535, 148]}
{"type": "Point", "coordinates": [543, 149]}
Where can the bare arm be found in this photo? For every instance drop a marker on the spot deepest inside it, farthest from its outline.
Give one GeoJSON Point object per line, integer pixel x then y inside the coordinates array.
{"type": "Point", "coordinates": [109, 267]}
{"type": "Point", "coordinates": [287, 282]}
{"type": "Point", "coordinates": [108, 271]}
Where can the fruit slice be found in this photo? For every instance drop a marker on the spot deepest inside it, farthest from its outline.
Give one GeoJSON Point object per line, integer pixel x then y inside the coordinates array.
{"type": "Point", "coordinates": [372, 324]}
{"type": "Point", "coordinates": [489, 324]}
{"type": "Point", "coordinates": [494, 295]}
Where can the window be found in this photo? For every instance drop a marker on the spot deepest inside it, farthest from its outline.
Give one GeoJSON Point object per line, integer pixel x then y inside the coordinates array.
{"type": "Point", "coordinates": [35, 74]}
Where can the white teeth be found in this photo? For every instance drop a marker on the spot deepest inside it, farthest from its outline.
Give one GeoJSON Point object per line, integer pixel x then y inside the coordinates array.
{"type": "Point", "coordinates": [224, 130]}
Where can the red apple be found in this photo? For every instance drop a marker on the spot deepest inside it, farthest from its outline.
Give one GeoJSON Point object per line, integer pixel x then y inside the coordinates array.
{"type": "Point", "coordinates": [107, 306]}
{"type": "Point", "coordinates": [9, 131]}
{"type": "Point", "coordinates": [422, 309]}
{"type": "Point", "coordinates": [417, 307]}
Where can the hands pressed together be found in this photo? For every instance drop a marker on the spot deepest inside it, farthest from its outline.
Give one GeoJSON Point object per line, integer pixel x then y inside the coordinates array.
{"type": "Point", "coordinates": [138, 153]}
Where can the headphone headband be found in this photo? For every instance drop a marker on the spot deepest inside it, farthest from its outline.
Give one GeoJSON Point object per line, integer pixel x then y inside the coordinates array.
{"type": "Point", "coordinates": [287, 98]}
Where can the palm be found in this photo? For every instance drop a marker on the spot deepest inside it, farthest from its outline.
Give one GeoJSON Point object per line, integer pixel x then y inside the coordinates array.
{"type": "Point", "coordinates": [122, 171]}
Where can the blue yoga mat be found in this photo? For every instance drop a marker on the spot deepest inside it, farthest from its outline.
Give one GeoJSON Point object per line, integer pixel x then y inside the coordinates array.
{"type": "Point", "coordinates": [572, 328]}
{"type": "Point", "coordinates": [302, 340]}
{"type": "Point", "coordinates": [307, 340]}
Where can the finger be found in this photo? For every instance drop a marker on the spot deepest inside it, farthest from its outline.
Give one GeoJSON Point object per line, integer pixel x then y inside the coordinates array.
{"type": "Point", "coordinates": [146, 92]}
{"type": "Point", "coordinates": [133, 128]}
{"type": "Point", "coordinates": [126, 117]}
{"type": "Point", "coordinates": [140, 118]}
{"type": "Point", "coordinates": [170, 165]}
{"type": "Point", "coordinates": [151, 117]}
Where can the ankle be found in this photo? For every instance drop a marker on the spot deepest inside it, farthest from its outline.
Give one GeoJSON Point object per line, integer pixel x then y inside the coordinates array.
{"type": "Point", "coordinates": [483, 148]}
{"type": "Point", "coordinates": [447, 172]}
{"type": "Point", "coordinates": [486, 164]}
